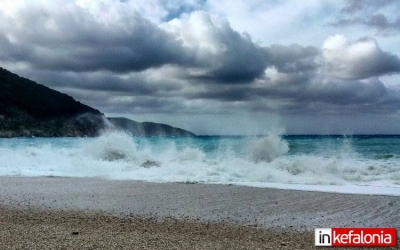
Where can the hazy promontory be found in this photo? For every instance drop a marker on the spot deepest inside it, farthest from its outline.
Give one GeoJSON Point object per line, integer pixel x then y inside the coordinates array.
{"type": "Point", "coordinates": [31, 109]}
{"type": "Point", "coordinates": [148, 128]}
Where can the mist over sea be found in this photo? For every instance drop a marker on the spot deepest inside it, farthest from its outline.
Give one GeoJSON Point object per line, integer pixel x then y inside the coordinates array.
{"type": "Point", "coordinates": [349, 164]}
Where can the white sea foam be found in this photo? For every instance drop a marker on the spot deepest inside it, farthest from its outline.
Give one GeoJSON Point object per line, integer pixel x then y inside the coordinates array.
{"type": "Point", "coordinates": [112, 146]}
{"type": "Point", "coordinates": [259, 162]}
{"type": "Point", "coordinates": [267, 148]}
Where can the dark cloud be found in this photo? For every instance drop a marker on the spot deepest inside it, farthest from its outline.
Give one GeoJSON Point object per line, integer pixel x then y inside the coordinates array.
{"type": "Point", "coordinates": [73, 40]}
{"type": "Point", "coordinates": [378, 21]}
{"type": "Point", "coordinates": [124, 103]}
{"type": "Point", "coordinates": [316, 95]}
{"type": "Point", "coordinates": [242, 61]}
{"type": "Point", "coordinates": [373, 14]}
{"type": "Point", "coordinates": [299, 86]}
{"type": "Point", "coordinates": [13, 53]}
{"type": "Point", "coordinates": [353, 6]}
{"type": "Point", "coordinates": [345, 93]}
{"type": "Point", "coordinates": [353, 97]}
{"type": "Point", "coordinates": [293, 58]}
{"type": "Point", "coordinates": [143, 105]}
{"type": "Point", "coordinates": [135, 84]}
{"type": "Point", "coordinates": [119, 62]}
{"type": "Point", "coordinates": [223, 94]}
{"type": "Point", "coordinates": [232, 58]}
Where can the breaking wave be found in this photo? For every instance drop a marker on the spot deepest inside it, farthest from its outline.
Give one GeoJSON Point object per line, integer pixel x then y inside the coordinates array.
{"type": "Point", "coordinates": [226, 160]}
{"type": "Point", "coordinates": [112, 146]}
{"type": "Point", "coordinates": [267, 148]}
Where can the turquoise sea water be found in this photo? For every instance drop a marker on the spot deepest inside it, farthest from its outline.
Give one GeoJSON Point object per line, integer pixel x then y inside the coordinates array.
{"type": "Point", "coordinates": [366, 164]}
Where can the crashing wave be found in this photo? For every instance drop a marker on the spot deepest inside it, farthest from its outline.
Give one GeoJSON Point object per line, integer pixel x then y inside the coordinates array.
{"type": "Point", "coordinates": [267, 149]}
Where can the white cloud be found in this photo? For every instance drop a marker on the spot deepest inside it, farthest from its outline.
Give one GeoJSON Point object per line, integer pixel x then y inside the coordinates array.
{"type": "Point", "coordinates": [199, 30]}
{"type": "Point", "coordinates": [357, 60]}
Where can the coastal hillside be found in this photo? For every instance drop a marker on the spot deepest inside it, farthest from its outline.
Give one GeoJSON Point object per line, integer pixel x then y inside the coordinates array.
{"type": "Point", "coordinates": [30, 109]}
{"type": "Point", "coordinates": [147, 128]}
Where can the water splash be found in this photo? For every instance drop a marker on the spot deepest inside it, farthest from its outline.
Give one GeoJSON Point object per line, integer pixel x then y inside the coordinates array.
{"type": "Point", "coordinates": [112, 146]}
{"type": "Point", "coordinates": [267, 148]}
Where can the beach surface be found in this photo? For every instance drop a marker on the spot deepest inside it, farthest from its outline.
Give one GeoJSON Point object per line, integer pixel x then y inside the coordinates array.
{"type": "Point", "coordinates": [88, 213]}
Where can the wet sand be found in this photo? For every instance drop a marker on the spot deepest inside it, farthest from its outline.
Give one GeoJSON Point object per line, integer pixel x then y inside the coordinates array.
{"type": "Point", "coordinates": [73, 213]}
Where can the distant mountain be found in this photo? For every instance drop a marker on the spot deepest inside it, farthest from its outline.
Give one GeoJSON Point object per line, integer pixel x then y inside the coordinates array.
{"type": "Point", "coordinates": [147, 128]}
{"type": "Point", "coordinates": [30, 109]}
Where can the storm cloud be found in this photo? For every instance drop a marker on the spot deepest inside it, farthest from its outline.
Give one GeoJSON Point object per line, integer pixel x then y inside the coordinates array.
{"type": "Point", "coordinates": [74, 39]}
{"type": "Point", "coordinates": [190, 60]}
{"type": "Point", "coordinates": [383, 16]}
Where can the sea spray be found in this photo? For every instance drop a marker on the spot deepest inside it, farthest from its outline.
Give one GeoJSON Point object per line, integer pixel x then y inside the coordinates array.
{"type": "Point", "coordinates": [112, 146]}
{"type": "Point", "coordinates": [267, 148]}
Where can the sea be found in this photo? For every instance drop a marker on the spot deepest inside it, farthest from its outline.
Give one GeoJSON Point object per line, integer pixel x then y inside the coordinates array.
{"type": "Point", "coordinates": [362, 164]}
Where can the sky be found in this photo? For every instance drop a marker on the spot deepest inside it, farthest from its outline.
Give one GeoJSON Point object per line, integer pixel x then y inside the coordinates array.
{"type": "Point", "coordinates": [215, 66]}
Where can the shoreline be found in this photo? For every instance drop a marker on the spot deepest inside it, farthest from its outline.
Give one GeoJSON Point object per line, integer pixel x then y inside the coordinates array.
{"type": "Point", "coordinates": [209, 213]}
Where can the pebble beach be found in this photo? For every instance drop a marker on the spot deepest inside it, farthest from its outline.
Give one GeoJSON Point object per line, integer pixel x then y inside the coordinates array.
{"type": "Point", "coordinates": [88, 213]}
